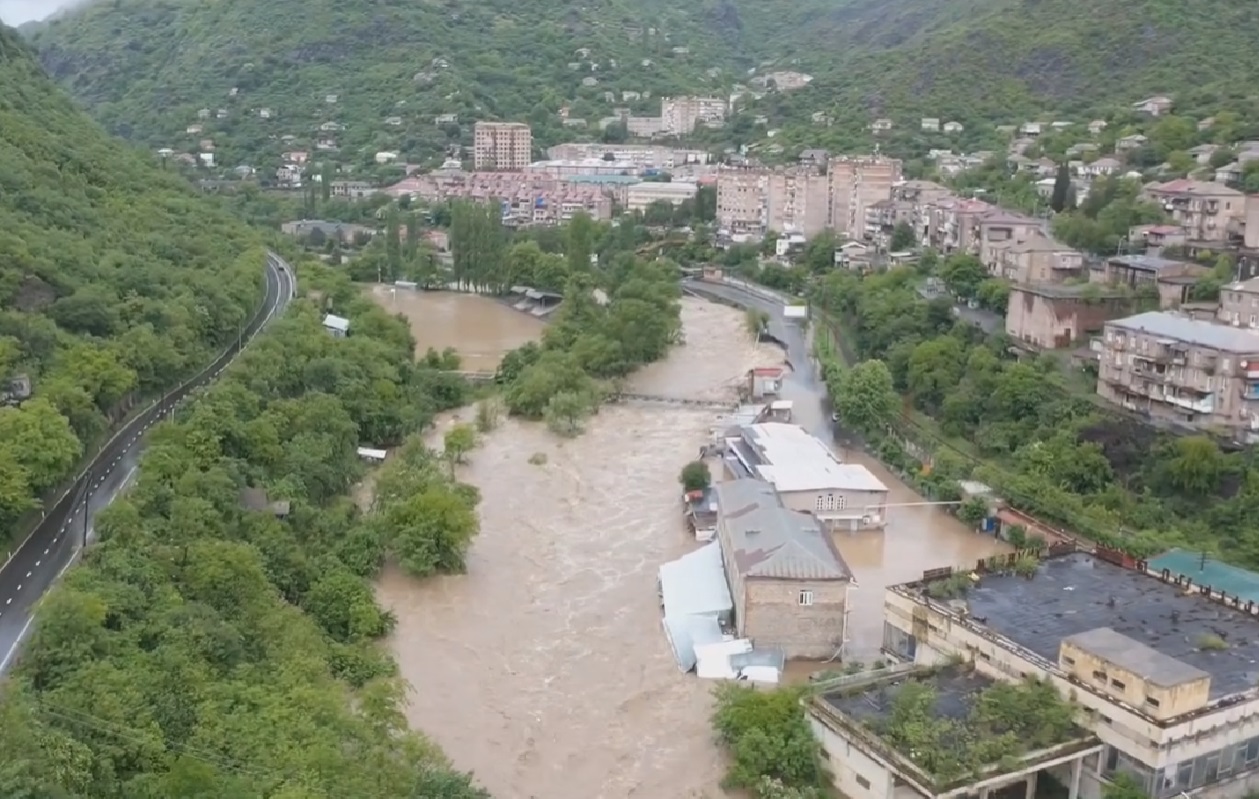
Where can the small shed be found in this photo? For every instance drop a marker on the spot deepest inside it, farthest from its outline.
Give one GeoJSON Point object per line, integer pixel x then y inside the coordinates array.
{"type": "Point", "coordinates": [338, 326]}
{"type": "Point", "coordinates": [765, 381]}
{"type": "Point", "coordinates": [255, 499]}
{"type": "Point", "coordinates": [372, 455]}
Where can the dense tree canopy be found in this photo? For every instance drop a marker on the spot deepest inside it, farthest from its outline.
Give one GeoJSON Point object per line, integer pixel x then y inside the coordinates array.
{"type": "Point", "coordinates": [115, 280]}
{"type": "Point", "coordinates": [207, 649]}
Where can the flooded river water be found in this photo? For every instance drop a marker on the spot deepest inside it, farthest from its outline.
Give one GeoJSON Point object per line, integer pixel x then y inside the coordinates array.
{"type": "Point", "coordinates": [544, 669]}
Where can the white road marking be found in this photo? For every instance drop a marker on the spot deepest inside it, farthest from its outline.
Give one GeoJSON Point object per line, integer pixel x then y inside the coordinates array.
{"type": "Point", "coordinates": [16, 643]}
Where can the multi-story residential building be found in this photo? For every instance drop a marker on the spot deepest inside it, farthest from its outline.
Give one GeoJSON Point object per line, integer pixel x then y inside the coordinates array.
{"type": "Point", "coordinates": [1250, 228]}
{"type": "Point", "coordinates": [797, 201]}
{"type": "Point", "coordinates": [1239, 304]}
{"type": "Point", "coordinates": [787, 580]}
{"type": "Point", "coordinates": [583, 167]}
{"type": "Point", "coordinates": [1053, 317]}
{"type": "Point", "coordinates": [640, 155]}
{"type": "Point", "coordinates": [681, 115]}
{"type": "Point", "coordinates": [1159, 667]}
{"type": "Point", "coordinates": [1196, 373]}
{"type": "Point", "coordinates": [1209, 212]}
{"type": "Point", "coordinates": [742, 201]}
{"type": "Point", "coordinates": [999, 230]}
{"type": "Point", "coordinates": [1039, 259]}
{"type": "Point", "coordinates": [918, 196]}
{"type": "Point", "coordinates": [857, 182]}
{"type": "Point", "coordinates": [639, 196]}
{"type": "Point", "coordinates": [953, 224]}
{"type": "Point", "coordinates": [502, 145]}
{"type": "Point", "coordinates": [526, 199]}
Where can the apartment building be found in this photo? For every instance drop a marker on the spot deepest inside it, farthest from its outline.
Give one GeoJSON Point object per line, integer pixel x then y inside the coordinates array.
{"type": "Point", "coordinates": [797, 201]}
{"type": "Point", "coordinates": [526, 199]}
{"type": "Point", "coordinates": [999, 230]}
{"type": "Point", "coordinates": [1192, 372]}
{"type": "Point", "coordinates": [953, 224]}
{"type": "Point", "coordinates": [501, 145]}
{"type": "Point", "coordinates": [855, 184]}
{"type": "Point", "coordinates": [1038, 259]}
{"type": "Point", "coordinates": [1141, 651]}
{"type": "Point", "coordinates": [640, 155]}
{"type": "Point", "coordinates": [1209, 211]}
{"type": "Point", "coordinates": [1239, 304]}
{"type": "Point", "coordinates": [1054, 316]}
{"type": "Point", "coordinates": [915, 197]}
{"type": "Point", "coordinates": [681, 115]}
{"type": "Point", "coordinates": [742, 201]}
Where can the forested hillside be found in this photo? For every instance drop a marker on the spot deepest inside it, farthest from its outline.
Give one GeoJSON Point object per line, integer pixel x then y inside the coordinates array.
{"type": "Point", "coordinates": [115, 280]}
{"type": "Point", "coordinates": [146, 67]}
{"type": "Point", "coordinates": [205, 649]}
{"type": "Point", "coordinates": [989, 62]}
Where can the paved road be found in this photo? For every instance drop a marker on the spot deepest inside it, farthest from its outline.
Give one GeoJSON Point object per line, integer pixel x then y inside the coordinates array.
{"type": "Point", "coordinates": [802, 385]}
{"type": "Point", "coordinates": [55, 544]}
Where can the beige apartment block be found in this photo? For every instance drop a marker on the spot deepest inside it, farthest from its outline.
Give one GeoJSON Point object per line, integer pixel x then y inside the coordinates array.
{"type": "Point", "coordinates": [1038, 258]}
{"type": "Point", "coordinates": [1251, 227]}
{"type": "Point", "coordinates": [1195, 373]}
{"type": "Point", "coordinates": [742, 201]}
{"type": "Point", "coordinates": [798, 201]}
{"type": "Point", "coordinates": [953, 224]}
{"type": "Point", "coordinates": [1140, 651]}
{"type": "Point", "coordinates": [1209, 212]}
{"type": "Point", "coordinates": [640, 196]}
{"type": "Point", "coordinates": [502, 146]}
{"type": "Point", "coordinates": [856, 183]}
{"type": "Point", "coordinates": [1239, 304]}
{"type": "Point", "coordinates": [1000, 230]}
{"type": "Point", "coordinates": [681, 115]}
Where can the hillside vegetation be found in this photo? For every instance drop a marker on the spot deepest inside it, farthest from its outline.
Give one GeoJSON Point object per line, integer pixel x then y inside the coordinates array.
{"type": "Point", "coordinates": [115, 280]}
{"type": "Point", "coordinates": [985, 62]}
{"type": "Point", "coordinates": [146, 67]}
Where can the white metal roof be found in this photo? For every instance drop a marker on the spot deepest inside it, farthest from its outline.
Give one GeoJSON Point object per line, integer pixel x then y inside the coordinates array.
{"type": "Point", "coordinates": [798, 461]}
{"type": "Point", "coordinates": [336, 323]}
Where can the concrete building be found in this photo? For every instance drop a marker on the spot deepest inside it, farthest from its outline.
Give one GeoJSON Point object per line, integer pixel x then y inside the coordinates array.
{"type": "Point", "coordinates": [640, 155]}
{"type": "Point", "coordinates": [999, 230]}
{"type": "Point", "coordinates": [1170, 279]}
{"type": "Point", "coordinates": [1192, 372]}
{"type": "Point", "coordinates": [502, 145]}
{"type": "Point", "coordinates": [855, 183]}
{"type": "Point", "coordinates": [641, 195]}
{"type": "Point", "coordinates": [1209, 211]}
{"type": "Point", "coordinates": [681, 115]}
{"type": "Point", "coordinates": [1054, 316]}
{"type": "Point", "coordinates": [337, 326]}
{"type": "Point", "coordinates": [742, 201]}
{"type": "Point", "coordinates": [526, 199]}
{"type": "Point", "coordinates": [807, 475]}
{"type": "Point", "coordinates": [797, 201]}
{"type": "Point", "coordinates": [861, 723]}
{"type": "Point", "coordinates": [1038, 259]}
{"type": "Point", "coordinates": [788, 582]}
{"type": "Point", "coordinates": [1162, 669]}
{"type": "Point", "coordinates": [1239, 304]}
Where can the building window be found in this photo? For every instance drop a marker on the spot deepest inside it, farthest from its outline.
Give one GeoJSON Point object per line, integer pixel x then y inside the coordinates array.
{"type": "Point", "coordinates": [1068, 661]}
{"type": "Point", "coordinates": [1151, 701]}
{"type": "Point", "coordinates": [1117, 684]}
{"type": "Point", "coordinates": [806, 598]}
{"type": "Point", "coordinates": [862, 781]}
{"type": "Point", "coordinates": [1099, 675]}
{"type": "Point", "coordinates": [818, 503]}
{"type": "Point", "coordinates": [841, 502]}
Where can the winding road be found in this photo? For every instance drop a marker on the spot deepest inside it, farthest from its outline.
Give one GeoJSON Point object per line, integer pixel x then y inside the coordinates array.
{"type": "Point", "coordinates": [53, 546]}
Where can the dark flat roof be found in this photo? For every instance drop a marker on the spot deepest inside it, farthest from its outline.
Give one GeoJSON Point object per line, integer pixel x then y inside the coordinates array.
{"type": "Point", "coordinates": [1077, 593]}
{"type": "Point", "coordinates": [955, 693]}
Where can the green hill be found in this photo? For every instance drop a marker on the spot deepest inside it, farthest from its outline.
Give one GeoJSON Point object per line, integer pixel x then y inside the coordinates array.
{"type": "Point", "coordinates": [146, 68]}
{"type": "Point", "coordinates": [115, 280]}
{"type": "Point", "coordinates": [986, 62]}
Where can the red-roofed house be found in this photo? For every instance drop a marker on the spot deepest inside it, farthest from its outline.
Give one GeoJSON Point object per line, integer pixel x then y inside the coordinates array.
{"type": "Point", "coordinates": [765, 381]}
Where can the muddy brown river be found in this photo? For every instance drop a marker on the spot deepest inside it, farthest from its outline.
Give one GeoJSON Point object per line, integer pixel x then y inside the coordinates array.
{"type": "Point", "coordinates": [544, 669]}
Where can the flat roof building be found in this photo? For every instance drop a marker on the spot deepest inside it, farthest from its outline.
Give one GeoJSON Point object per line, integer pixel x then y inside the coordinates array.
{"type": "Point", "coordinates": [1166, 671]}
{"type": "Point", "coordinates": [910, 732]}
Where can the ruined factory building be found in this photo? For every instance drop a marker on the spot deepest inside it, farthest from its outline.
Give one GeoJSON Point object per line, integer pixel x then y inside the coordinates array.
{"type": "Point", "coordinates": [939, 733]}
{"type": "Point", "coordinates": [1166, 670]}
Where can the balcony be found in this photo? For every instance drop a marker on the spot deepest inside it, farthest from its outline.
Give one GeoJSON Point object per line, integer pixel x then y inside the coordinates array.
{"type": "Point", "coordinates": [1250, 391]}
{"type": "Point", "coordinates": [1204, 404]}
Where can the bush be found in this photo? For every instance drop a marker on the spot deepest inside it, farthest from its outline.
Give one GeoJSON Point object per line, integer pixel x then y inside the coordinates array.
{"type": "Point", "coordinates": [695, 476]}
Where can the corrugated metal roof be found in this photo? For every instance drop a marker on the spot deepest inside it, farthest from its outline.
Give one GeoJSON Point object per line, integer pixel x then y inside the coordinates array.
{"type": "Point", "coordinates": [771, 541]}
